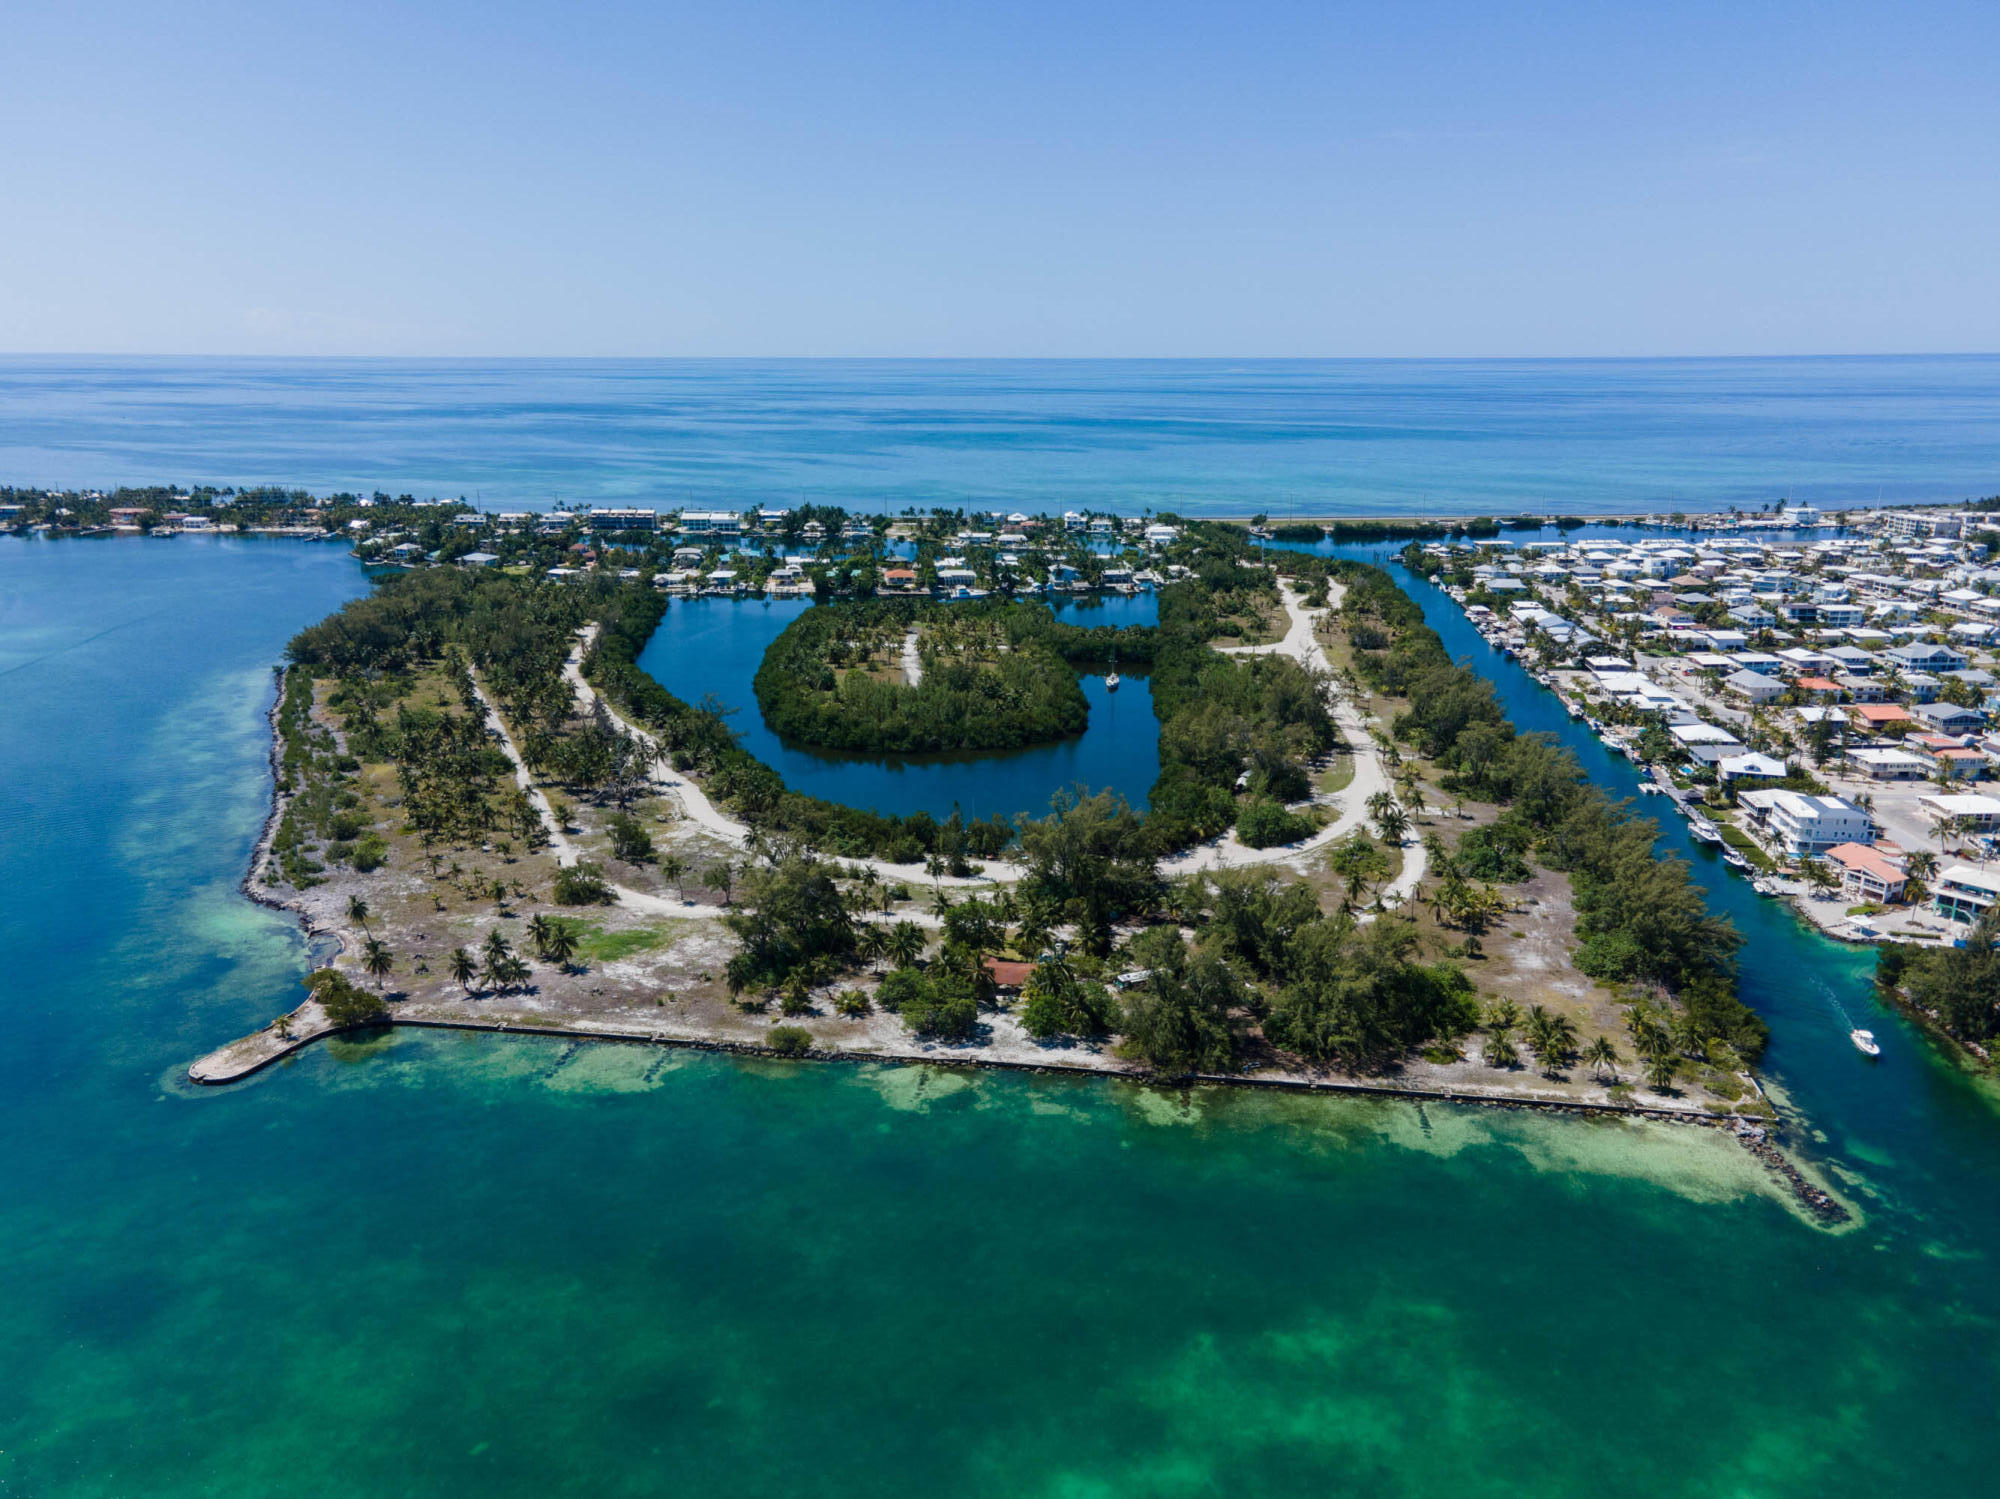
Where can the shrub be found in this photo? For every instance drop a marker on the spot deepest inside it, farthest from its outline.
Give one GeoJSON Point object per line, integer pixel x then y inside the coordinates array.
{"type": "Point", "coordinates": [370, 854]}
{"type": "Point", "coordinates": [629, 839]}
{"type": "Point", "coordinates": [582, 884]}
{"type": "Point", "coordinates": [902, 987]}
{"type": "Point", "coordinates": [344, 1003]}
{"type": "Point", "coordinates": [852, 1003]}
{"type": "Point", "coordinates": [789, 1040]}
{"type": "Point", "coordinates": [1265, 824]}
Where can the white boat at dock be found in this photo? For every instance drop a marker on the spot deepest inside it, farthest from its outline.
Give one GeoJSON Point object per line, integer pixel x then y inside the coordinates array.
{"type": "Point", "coordinates": [1734, 859]}
{"type": "Point", "coordinates": [1702, 829]}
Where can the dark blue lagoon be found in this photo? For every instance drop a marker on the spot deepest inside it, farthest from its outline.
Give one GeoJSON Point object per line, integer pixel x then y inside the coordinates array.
{"type": "Point", "coordinates": [712, 647]}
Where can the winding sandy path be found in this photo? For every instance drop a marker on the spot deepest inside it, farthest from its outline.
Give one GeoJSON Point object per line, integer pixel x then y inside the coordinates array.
{"type": "Point", "coordinates": [1301, 643]}
{"type": "Point", "coordinates": [559, 844]}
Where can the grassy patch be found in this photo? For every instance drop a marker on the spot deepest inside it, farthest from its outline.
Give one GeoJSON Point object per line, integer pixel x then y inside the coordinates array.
{"type": "Point", "coordinates": [599, 946]}
{"type": "Point", "coordinates": [1739, 840]}
{"type": "Point", "coordinates": [1338, 776]}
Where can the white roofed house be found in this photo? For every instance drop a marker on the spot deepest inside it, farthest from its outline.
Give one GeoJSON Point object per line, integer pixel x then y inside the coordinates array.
{"type": "Point", "coordinates": [1754, 686]}
{"type": "Point", "coordinates": [1962, 812]}
{"type": "Point", "coordinates": [622, 518]}
{"type": "Point", "coordinates": [1880, 763]}
{"type": "Point", "coordinates": [1751, 767]}
{"type": "Point", "coordinates": [1804, 827]}
{"type": "Point", "coordinates": [1963, 893]}
{"type": "Point", "coordinates": [1704, 742]}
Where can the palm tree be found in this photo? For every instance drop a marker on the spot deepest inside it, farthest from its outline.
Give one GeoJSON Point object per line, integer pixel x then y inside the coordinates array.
{"type": "Point", "coordinates": [870, 941]}
{"type": "Point", "coordinates": [1602, 1056]}
{"type": "Point", "coordinates": [376, 958]}
{"type": "Point", "coordinates": [722, 876]}
{"type": "Point", "coordinates": [1660, 1071]}
{"type": "Point", "coordinates": [464, 968]}
{"type": "Point", "coordinates": [357, 911]}
{"type": "Point", "coordinates": [675, 868]}
{"type": "Point", "coordinates": [1551, 1037]}
{"type": "Point", "coordinates": [559, 946]}
{"type": "Point", "coordinates": [538, 932]}
{"type": "Point", "coordinates": [935, 866]}
{"type": "Point", "coordinates": [906, 943]}
{"type": "Point", "coordinates": [1923, 864]}
{"type": "Point", "coordinates": [497, 946]}
{"type": "Point", "coordinates": [1392, 822]}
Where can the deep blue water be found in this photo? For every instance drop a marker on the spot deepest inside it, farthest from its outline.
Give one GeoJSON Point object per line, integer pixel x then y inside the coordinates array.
{"type": "Point", "coordinates": [712, 647]}
{"type": "Point", "coordinates": [1198, 436]}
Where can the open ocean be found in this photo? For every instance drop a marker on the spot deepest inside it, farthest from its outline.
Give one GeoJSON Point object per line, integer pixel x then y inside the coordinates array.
{"type": "Point", "coordinates": [1394, 437]}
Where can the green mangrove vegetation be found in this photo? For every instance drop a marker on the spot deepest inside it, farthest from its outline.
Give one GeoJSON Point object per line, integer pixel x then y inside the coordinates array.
{"type": "Point", "coordinates": [1642, 919]}
{"type": "Point", "coordinates": [992, 676]}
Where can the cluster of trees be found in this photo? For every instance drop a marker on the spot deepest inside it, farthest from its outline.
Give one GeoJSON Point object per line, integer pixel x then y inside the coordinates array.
{"type": "Point", "coordinates": [1956, 987]}
{"type": "Point", "coordinates": [324, 820]}
{"type": "Point", "coordinates": [1641, 918]}
{"type": "Point", "coordinates": [344, 1002]}
{"type": "Point", "coordinates": [1229, 725]}
{"type": "Point", "coordinates": [1025, 694]}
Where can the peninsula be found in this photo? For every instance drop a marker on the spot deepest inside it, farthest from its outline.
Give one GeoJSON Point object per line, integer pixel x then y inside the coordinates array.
{"type": "Point", "coordinates": [1352, 873]}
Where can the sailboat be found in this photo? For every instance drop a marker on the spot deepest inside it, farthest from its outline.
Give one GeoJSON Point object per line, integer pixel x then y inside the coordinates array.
{"type": "Point", "coordinates": [1111, 681]}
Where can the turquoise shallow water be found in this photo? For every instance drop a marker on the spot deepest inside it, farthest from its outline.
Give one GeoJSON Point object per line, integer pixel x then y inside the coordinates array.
{"type": "Point", "coordinates": [1199, 436]}
{"type": "Point", "coordinates": [472, 1265]}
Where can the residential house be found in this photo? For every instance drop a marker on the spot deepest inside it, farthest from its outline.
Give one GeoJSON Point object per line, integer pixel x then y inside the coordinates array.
{"type": "Point", "coordinates": [1755, 686]}
{"type": "Point", "coordinates": [1964, 893]}
{"type": "Point", "coordinates": [1705, 742]}
{"type": "Point", "coordinates": [1949, 718]}
{"type": "Point", "coordinates": [1880, 764]}
{"type": "Point", "coordinates": [1920, 655]}
{"type": "Point", "coordinates": [1867, 873]}
{"type": "Point", "coordinates": [1963, 812]}
{"type": "Point", "coordinates": [1879, 717]}
{"type": "Point", "coordinates": [1751, 767]}
{"type": "Point", "coordinates": [1803, 827]}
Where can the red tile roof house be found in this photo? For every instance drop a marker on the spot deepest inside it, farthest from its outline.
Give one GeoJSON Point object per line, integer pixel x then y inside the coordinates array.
{"type": "Point", "coordinates": [1006, 973]}
{"type": "Point", "coordinates": [900, 577]}
{"type": "Point", "coordinates": [1960, 760]}
{"type": "Point", "coordinates": [1879, 715]}
{"type": "Point", "coordinates": [1866, 874]}
{"type": "Point", "coordinates": [1823, 688]}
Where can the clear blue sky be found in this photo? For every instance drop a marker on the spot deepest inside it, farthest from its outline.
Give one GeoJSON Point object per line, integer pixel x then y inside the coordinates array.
{"type": "Point", "coordinates": [1391, 178]}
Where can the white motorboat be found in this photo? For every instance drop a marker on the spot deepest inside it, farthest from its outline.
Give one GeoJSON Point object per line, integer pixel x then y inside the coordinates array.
{"type": "Point", "coordinates": [1111, 682]}
{"type": "Point", "coordinates": [1734, 860]}
{"type": "Point", "coordinates": [1864, 1041]}
{"type": "Point", "coordinates": [1703, 830]}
